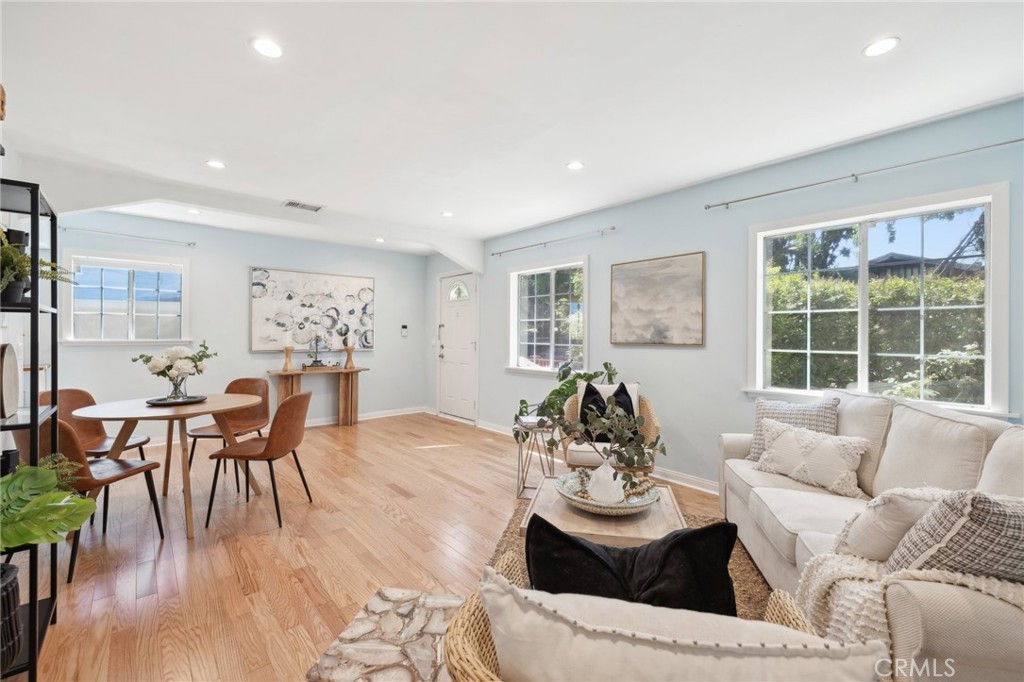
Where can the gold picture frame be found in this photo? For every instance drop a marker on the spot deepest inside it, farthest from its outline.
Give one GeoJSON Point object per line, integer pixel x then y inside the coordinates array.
{"type": "Point", "coordinates": [659, 301]}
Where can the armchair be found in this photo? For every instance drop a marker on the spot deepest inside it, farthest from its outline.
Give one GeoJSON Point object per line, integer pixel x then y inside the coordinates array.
{"type": "Point", "coordinates": [584, 457]}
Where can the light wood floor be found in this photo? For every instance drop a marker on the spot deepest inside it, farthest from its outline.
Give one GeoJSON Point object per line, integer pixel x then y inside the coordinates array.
{"type": "Point", "coordinates": [410, 501]}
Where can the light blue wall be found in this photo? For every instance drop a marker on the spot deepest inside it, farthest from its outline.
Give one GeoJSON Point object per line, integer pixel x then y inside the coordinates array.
{"type": "Point", "coordinates": [220, 314]}
{"type": "Point", "coordinates": [698, 392]}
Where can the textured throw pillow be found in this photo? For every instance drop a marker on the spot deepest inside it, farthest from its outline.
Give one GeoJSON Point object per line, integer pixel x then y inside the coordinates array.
{"type": "Point", "coordinates": [811, 457]}
{"type": "Point", "coordinates": [967, 531]}
{"type": "Point", "coordinates": [594, 401]}
{"type": "Point", "coordinates": [541, 636]}
{"type": "Point", "coordinates": [686, 569]}
{"type": "Point", "coordinates": [821, 416]}
{"type": "Point", "coordinates": [632, 388]}
{"type": "Point", "coordinates": [875, 532]}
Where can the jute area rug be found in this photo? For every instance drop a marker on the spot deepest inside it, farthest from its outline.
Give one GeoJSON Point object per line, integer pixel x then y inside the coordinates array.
{"type": "Point", "coordinates": [751, 588]}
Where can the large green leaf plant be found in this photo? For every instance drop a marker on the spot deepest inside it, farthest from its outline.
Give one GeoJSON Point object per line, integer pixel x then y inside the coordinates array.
{"type": "Point", "coordinates": [36, 505]}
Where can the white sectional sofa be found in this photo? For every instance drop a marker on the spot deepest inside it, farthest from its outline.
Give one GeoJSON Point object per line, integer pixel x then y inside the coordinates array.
{"type": "Point", "coordinates": [783, 523]}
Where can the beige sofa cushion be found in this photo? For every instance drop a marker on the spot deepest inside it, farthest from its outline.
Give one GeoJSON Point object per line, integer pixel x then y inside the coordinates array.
{"type": "Point", "coordinates": [541, 636]}
{"type": "Point", "coordinates": [1003, 470]}
{"type": "Point", "coordinates": [811, 543]}
{"type": "Point", "coordinates": [742, 476]}
{"type": "Point", "coordinates": [933, 447]}
{"type": "Point", "coordinates": [784, 514]}
{"type": "Point", "coordinates": [876, 531]}
{"type": "Point", "coordinates": [867, 416]}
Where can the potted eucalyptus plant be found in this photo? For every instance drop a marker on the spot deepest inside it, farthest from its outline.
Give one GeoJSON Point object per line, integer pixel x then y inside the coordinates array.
{"type": "Point", "coordinates": [36, 506]}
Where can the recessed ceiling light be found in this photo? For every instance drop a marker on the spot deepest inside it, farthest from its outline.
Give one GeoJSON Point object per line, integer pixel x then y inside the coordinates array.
{"type": "Point", "coordinates": [574, 165]}
{"type": "Point", "coordinates": [267, 48]}
{"type": "Point", "coordinates": [194, 211]}
{"type": "Point", "coordinates": [214, 163]}
{"type": "Point", "coordinates": [880, 47]}
{"type": "Point", "coordinates": [447, 214]}
{"type": "Point", "coordinates": [380, 240]}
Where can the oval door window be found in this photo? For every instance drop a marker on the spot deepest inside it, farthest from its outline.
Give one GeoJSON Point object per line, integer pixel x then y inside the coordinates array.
{"type": "Point", "coordinates": [458, 291]}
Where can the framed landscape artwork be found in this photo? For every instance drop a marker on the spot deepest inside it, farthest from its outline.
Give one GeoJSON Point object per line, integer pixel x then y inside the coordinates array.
{"type": "Point", "coordinates": [659, 301]}
{"type": "Point", "coordinates": [307, 305]}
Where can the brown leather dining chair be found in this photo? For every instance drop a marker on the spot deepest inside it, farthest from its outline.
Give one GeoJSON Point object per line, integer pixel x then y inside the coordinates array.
{"type": "Point", "coordinates": [91, 434]}
{"type": "Point", "coordinates": [285, 437]}
{"type": "Point", "coordinates": [92, 473]}
{"type": "Point", "coordinates": [243, 422]}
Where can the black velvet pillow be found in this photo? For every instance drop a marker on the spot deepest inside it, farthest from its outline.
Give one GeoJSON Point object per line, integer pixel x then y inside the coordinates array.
{"type": "Point", "coordinates": [592, 400]}
{"type": "Point", "coordinates": [686, 569]}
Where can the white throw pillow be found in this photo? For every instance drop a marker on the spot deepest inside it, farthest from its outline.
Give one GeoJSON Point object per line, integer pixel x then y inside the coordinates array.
{"type": "Point", "coordinates": [811, 457]}
{"type": "Point", "coordinates": [541, 636]}
{"type": "Point", "coordinates": [1003, 470]}
{"type": "Point", "coordinates": [867, 416]}
{"type": "Point", "coordinates": [875, 532]}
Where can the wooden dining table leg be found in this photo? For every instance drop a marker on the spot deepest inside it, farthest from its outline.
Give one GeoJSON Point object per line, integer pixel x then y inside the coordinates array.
{"type": "Point", "coordinates": [229, 438]}
{"type": "Point", "coordinates": [186, 478]}
{"type": "Point", "coordinates": [167, 454]}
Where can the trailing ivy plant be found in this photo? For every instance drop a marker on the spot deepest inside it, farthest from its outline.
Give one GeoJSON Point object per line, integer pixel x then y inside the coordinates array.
{"type": "Point", "coordinates": [553, 404]}
{"type": "Point", "coordinates": [36, 506]}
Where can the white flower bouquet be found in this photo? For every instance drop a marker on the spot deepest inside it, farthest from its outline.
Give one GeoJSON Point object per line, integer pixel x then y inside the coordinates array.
{"type": "Point", "coordinates": [176, 364]}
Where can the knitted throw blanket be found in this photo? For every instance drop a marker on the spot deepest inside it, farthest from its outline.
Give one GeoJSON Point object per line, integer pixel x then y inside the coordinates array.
{"type": "Point", "coordinates": [844, 595]}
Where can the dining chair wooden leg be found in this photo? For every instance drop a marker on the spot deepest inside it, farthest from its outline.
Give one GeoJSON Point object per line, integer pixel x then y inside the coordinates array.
{"type": "Point", "coordinates": [106, 507]}
{"type": "Point", "coordinates": [74, 557]}
{"type": "Point", "coordinates": [192, 452]}
{"type": "Point", "coordinates": [259, 433]}
{"type": "Point", "coordinates": [273, 484]}
{"type": "Point", "coordinates": [247, 481]}
{"type": "Point", "coordinates": [298, 466]}
{"type": "Point", "coordinates": [156, 504]}
{"type": "Point", "coordinates": [142, 454]}
{"type": "Point", "coordinates": [238, 487]}
{"type": "Point", "coordinates": [213, 491]}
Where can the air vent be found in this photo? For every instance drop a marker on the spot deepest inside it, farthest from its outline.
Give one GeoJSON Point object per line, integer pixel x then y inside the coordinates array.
{"type": "Point", "coordinates": [301, 206]}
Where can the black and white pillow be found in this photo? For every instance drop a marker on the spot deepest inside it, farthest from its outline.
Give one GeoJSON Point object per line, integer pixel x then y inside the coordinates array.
{"type": "Point", "coordinates": [822, 416]}
{"type": "Point", "coordinates": [593, 401]}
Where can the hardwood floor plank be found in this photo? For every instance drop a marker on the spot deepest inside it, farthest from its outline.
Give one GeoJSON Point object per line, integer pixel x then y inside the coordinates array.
{"type": "Point", "coordinates": [410, 501]}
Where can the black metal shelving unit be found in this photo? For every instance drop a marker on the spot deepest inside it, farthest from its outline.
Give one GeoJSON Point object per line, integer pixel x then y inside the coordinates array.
{"type": "Point", "coordinates": [40, 611]}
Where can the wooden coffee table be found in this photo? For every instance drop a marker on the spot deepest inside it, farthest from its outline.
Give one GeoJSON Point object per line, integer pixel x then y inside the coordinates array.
{"type": "Point", "coordinates": [656, 522]}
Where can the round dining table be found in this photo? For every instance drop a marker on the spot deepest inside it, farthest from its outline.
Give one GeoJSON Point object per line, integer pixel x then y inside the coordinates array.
{"type": "Point", "coordinates": [131, 412]}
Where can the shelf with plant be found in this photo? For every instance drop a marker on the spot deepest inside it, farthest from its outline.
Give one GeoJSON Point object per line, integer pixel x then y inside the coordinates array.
{"type": "Point", "coordinates": [16, 270]}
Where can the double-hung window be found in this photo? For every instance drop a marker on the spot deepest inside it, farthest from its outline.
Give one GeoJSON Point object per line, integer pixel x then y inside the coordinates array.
{"type": "Point", "coordinates": [126, 299]}
{"type": "Point", "coordinates": [547, 317]}
{"type": "Point", "coordinates": [901, 302]}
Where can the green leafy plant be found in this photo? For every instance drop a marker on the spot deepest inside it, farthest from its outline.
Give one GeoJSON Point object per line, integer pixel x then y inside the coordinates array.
{"type": "Point", "coordinates": [36, 507]}
{"type": "Point", "coordinates": [553, 404]}
{"type": "Point", "coordinates": [16, 265]}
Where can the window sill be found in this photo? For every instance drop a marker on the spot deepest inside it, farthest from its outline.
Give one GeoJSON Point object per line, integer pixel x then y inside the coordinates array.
{"type": "Point", "coordinates": [120, 342]}
{"type": "Point", "coordinates": [532, 372]}
{"type": "Point", "coordinates": [810, 396]}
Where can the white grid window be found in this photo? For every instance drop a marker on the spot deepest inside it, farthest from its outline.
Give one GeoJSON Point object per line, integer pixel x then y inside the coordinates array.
{"type": "Point", "coordinates": [547, 317]}
{"type": "Point", "coordinates": [126, 299]}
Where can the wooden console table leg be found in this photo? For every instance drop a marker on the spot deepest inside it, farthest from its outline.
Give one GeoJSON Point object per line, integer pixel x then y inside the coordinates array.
{"type": "Point", "coordinates": [348, 398]}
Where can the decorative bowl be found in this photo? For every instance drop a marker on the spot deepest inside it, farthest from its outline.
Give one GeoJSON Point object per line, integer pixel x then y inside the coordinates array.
{"type": "Point", "coordinates": [569, 487]}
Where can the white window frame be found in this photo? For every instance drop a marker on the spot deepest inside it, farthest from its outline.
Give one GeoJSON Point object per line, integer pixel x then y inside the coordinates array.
{"type": "Point", "coordinates": [512, 330]}
{"type": "Point", "coordinates": [997, 286]}
{"type": "Point", "coordinates": [68, 258]}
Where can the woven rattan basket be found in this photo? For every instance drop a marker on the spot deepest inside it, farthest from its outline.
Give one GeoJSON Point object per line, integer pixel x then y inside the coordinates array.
{"type": "Point", "coordinates": [469, 650]}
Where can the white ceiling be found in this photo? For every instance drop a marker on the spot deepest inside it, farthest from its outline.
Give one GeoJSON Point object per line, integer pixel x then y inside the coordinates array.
{"type": "Point", "coordinates": [393, 113]}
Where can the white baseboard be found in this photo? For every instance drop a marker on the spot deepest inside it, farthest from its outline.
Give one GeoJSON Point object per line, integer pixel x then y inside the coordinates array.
{"type": "Point", "coordinates": [503, 429]}
{"type": "Point", "coordinates": [679, 478]}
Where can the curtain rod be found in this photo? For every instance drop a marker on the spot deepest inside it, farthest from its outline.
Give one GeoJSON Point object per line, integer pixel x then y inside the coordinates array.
{"type": "Point", "coordinates": [857, 176]}
{"type": "Point", "coordinates": [129, 236]}
{"type": "Point", "coordinates": [599, 233]}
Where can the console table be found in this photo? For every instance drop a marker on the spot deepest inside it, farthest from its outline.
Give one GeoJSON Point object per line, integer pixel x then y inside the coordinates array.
{"type": "Point", "coordinates": [290, 382]}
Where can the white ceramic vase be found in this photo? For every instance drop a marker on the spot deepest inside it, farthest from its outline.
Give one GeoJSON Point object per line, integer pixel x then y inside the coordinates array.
{"type": "Point", "coordinates": [604, 488]}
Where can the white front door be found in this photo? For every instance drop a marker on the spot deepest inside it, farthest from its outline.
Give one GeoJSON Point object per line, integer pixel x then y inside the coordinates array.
{"type": "Point", "coordinates": [456, 348]}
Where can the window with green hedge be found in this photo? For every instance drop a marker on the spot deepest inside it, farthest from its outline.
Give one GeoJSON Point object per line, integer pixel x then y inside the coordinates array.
{"type": "Point", "coordinates": [895, 305]}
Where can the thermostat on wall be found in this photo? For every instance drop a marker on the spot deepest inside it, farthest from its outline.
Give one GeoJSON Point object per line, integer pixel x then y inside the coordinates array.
{"type": "Point", "coordinates": [405, 330]}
